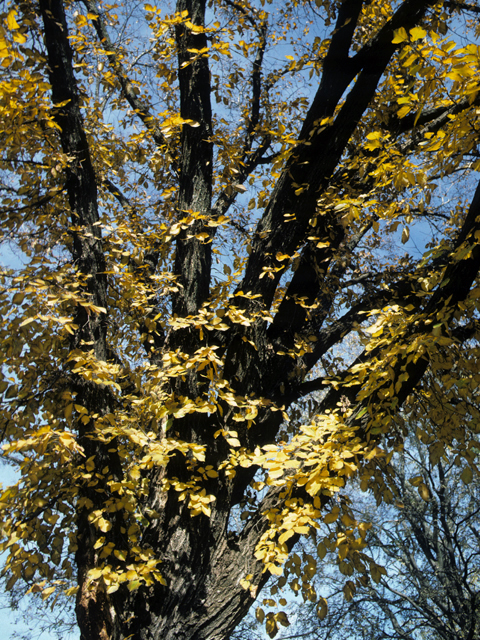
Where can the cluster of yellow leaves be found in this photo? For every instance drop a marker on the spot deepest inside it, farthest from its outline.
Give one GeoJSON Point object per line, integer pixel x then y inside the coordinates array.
{"type": "Point", "coordinates": [8, 52]}
{"type": "Point", "coordinates": [321, 458]}
{"type": "Point", "coordinates": [142, 571]}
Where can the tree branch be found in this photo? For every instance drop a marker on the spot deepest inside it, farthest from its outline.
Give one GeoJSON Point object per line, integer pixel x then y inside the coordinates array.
{"type": "Point", "coordinates": [313, 161]}
{"type": "Point", "coordinates": [142, 110]}
{"type": "Point", "coordinates": [462, 6]}
{"type": "Point", "coordinates": [193, 256]}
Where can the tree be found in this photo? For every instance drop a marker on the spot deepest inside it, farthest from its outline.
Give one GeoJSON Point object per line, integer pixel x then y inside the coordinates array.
{"type": "Point", "coordinates": [429, 546]}
{"type": "Point", "coordinates": [208, 207]}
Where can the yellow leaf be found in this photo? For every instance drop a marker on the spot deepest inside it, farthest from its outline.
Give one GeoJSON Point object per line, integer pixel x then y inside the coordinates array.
{"type": "Point", "coordinates": [81, 21]}
{"type": "Point", "coordinates": [322, 608]}
{"type": "Point", "coordinates": [400, 35]}
{"type": "Point", "coordinates": [401, 113]}
{"type": "Point", "coordinates": [375, 573]}
{"type": "Point", "coordinates": [245, 584]}
{"type": "Point", "coordinates": [4, 50]}
{"type": "Point", "coordinates": [417, 33]}
{"type": "Point", "coordinates": [282, 618]}
{"type": "Point", "coordinates": [11, 21]}
{"type": "Point", "coordinates": [274, 569]}
{"type": "Point", "coordinates": [467, 475]}
{"type": "Point", "coordinates": [194, 27]}
{"type": "Point", "coordinates": [104, 525]}
{"type": "Point", "coordinates": [134, 584]}
{"type": "Point", "coordinates": [330, 517]}
{"type": "Point", "coordinates": [260, 615]}
{"type": "Point", "coordinates": [26, 321]}
{"type": "Point", "coordinates": [303, 530]}
{"type": "Point", "coordinates": [94, 574]}
{"type": "Point", "coordinates": [424, 492]}
{"type": "Point", "coordinates": [271, 626]}
{"type": "Point", "coordinates": [47, 592]}
{"type": "Point", "coordinates": [285, 536]}
{"type": "Point", "coordinates": [348, 590]}
{"type": "Point", "coordinates": [68, 411]}
{"type": "Point", "coordinates": [67, 439]}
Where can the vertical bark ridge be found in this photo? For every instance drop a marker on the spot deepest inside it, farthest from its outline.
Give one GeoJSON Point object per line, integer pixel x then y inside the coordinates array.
{"type": "Point", "coordinates": [193, 255]}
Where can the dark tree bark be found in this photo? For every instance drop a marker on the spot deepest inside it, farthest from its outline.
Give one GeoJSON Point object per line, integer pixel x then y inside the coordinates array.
{"type": "Point", "coordinates": [94, 613]}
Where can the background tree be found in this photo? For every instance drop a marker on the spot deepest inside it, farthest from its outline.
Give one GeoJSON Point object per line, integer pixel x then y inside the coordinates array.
{"type": "Point", "coordinates": [201, 197]}
{"type": "Point", "coordinates": [428, 542]}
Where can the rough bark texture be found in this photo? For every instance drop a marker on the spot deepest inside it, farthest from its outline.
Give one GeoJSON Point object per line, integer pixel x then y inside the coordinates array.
{"type": "Point", "coordinates": [203, 562]}
{"type": "Point", "coordinates": [94, 613]}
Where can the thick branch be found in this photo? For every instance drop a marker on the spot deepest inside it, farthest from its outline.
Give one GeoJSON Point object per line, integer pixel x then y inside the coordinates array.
{"type": "Point", "coordinates": [93, 609]}
{"type": "Point", "coordinates": [310, 287]}
{"type": "Point", "coordinates": [193, 256]}
{"type": "Point", "coordinates": [315, 158]}
{"type": "Point", "coordinates": [80, 181]}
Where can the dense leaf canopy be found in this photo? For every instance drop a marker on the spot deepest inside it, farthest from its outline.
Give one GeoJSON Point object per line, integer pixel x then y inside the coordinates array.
{"type": "Point", "coordinates": [242, 239]}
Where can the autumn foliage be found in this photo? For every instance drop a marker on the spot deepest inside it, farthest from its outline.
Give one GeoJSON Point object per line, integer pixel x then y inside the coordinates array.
{"type": "Point", "coordinates": [241, 242]}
